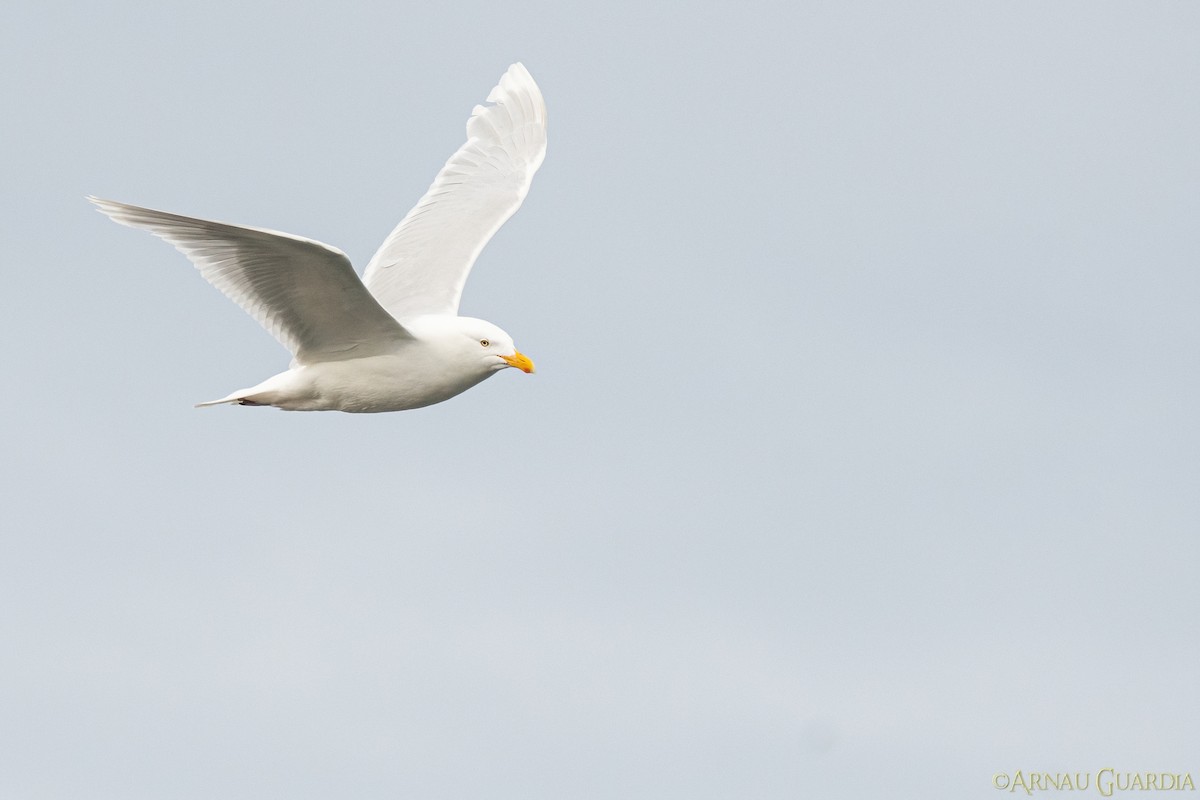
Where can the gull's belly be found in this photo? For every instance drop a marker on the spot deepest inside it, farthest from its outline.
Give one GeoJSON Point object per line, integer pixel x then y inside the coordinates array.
{"type": "Point", "coordinates": [367, 385]}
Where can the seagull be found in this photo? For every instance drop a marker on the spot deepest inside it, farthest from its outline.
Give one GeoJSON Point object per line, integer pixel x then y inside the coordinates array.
{"type": "Point", "coordinates": [392, 340]}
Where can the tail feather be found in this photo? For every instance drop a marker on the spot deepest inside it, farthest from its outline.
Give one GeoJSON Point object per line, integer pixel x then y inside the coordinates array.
{"type": "Point", "coordinates": [210, 403]}
{"type": "Point", "coordinates": [237, 398]}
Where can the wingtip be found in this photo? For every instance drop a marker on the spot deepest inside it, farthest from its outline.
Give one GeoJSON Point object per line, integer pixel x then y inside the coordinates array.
{"type": "Point", "coordinates": [517, 75]}
{"type": "Point", "coordinates": [114, 210]}
{"type": "Point", "coordinates": [108, 207]}
{"type": "Point", "coordinates": [517, 86]}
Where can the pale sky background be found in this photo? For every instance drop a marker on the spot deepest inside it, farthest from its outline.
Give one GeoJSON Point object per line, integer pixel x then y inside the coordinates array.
{"type": "Point", "coordinates": [861, 461]}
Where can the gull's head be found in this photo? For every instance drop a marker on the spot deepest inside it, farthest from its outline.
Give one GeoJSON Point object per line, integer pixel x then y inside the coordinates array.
{"type": "Point", "coordinates": [493, 346]}
{"type": "Point", "coordinates": [477, 344]}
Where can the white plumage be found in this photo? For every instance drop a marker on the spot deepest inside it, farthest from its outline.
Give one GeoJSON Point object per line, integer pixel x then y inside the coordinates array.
{"type": "Point", "coordinates": [392, 340]}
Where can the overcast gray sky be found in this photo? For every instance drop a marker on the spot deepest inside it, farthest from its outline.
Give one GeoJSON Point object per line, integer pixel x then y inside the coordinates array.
{"type": "Point", "coordinates": [861, 460]}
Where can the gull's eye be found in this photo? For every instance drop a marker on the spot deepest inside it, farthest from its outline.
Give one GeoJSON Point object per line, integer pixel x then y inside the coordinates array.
{"type": "Point", "coordinates": [484, 342]}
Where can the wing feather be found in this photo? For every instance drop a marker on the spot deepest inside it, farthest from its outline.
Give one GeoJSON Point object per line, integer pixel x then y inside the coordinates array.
{"type": "Point", "coordinates": [306, 294]}
{"type": "Point", "coordinates": [422, 266]}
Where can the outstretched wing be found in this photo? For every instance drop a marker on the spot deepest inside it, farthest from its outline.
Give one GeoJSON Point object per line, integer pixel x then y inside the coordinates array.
{"type": "Point", "coordinates": [304, 292]}
{"type": "Point", "coordinates": [423, 264]}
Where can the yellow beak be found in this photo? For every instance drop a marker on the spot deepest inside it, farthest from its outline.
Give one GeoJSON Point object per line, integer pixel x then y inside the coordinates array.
{"type": "Point", "coordinates": [519, 361]}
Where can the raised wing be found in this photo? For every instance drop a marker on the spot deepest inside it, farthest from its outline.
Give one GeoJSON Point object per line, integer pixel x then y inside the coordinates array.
{"type": "Point", "coordinates": [423, 264]}
{"type": "Point", "coordinates": [304, 292]}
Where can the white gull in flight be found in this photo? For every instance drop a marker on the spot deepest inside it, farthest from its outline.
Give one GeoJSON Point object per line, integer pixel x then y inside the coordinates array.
{"type": "Point", "coordinates": [393, 339]}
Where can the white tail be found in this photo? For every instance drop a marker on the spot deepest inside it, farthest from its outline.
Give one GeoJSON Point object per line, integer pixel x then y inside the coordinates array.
{"type": "Point", "coordinates": [208, 403]}
{"type": "Point", "coordinates": [238, 398]}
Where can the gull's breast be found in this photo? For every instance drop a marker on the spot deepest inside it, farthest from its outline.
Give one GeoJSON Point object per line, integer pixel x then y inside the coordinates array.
{"type": "Point", "coordinates": [383, 383]}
